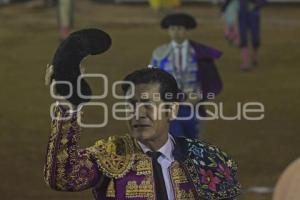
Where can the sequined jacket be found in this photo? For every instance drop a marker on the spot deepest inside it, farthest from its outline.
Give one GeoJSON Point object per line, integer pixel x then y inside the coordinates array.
{"type": "Point", "coordinates": [117, 168]}
{"type": "Point", "coordinates": [201, 73]}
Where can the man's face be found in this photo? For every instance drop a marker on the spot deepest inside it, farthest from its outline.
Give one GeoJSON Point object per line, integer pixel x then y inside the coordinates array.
{"type": "Point", "coordinates": [178, 33]}
{"type": "Point", "coordinates": [146, 125]}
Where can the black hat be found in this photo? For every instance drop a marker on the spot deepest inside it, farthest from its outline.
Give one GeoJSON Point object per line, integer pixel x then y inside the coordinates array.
{"type": "Point", "coordinates": [67, 58]}
{"type": "Point", "coordinates": [178, 19]}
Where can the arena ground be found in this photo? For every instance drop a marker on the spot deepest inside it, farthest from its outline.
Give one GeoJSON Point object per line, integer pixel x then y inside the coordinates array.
{"type": "Point", "coordinates": [29, 37]}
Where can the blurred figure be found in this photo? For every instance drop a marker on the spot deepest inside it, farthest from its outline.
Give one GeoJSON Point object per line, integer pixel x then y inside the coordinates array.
{"type": "Point", "coordinates": [249, 23]}
{"type": "Point", "coordinates": [161, 5]}
{"type": "Point", "coordinates": [65, 13]}
{"type": "Point", "coordinates": [41, 3]}
{"type": "Point", "coordinates": [230, 10]}
{"type": "Point", "coordinates": [192, 64]}
{"type": "Point", "coordinates": [288, 185]}
{"type": "Point", "coordinates": [50, 3]}
{"type": "Point", "coordinates": [65, 17]}
{"type": "Point", "coordinates": [2, 2]}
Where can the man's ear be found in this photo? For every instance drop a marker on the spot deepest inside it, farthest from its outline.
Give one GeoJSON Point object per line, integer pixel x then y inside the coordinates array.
{"type": "Point", "coordinates": [173, 111]}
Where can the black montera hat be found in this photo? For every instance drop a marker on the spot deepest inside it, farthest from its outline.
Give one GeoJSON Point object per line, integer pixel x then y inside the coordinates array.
{"type": "Point", "coordinates": [178, 19]}
{"type": "Point", "coordinates": [67, 58]}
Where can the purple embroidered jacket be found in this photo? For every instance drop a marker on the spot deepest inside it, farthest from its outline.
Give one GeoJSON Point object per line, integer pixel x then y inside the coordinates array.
{"type": "Point", "coordinates": [117, 168]}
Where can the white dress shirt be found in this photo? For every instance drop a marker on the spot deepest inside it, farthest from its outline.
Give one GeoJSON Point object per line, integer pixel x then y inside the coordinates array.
{"type": "Point", "coordinates": [182, 49]}
{"type": "Point", "coordinates": [165, 160]}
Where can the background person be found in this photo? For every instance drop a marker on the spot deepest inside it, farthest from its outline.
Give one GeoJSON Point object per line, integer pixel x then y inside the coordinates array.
{"type": "Point", "coordinates": [65, 17]}
{"type": "Point", "coordinates": [193, 66]}
{"type": "Point", "coordinates": [249, 25]}
{"type": "Point", "coordinates": [230, 9]}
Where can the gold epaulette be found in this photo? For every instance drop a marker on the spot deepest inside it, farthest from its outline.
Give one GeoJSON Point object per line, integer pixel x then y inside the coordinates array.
{"type": "Point", "coordinates": [114, 156]}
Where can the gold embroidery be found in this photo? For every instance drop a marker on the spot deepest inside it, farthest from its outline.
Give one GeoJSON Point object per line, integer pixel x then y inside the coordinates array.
{"type": "Point", "coordinates": [178, 177]}
{"type": "Point", "coordinates": [131, 189]}
{"type": "Point", "coordinates": [64, 141]}
{"type": "Point", "coordinates": [62, 149]}
{"type": "Point", "coordinates": [178, 174]}
{"type": "Point", "coordinates": [62, 156]}
{"type": "Point", "coordinates": [143, 167]}
{"type": "Point", "coordinates": [111, 189]}
{"type": "Point", "coordinates": [51, 149]}
{"type": "Point", "coordinates": [114, 162]}
{"type": "Point", "coordinates": [68, 152]}
{"type": "Point", "coordinates": [135, 190]}
{"type": "Point", "coordinates": [182, 194]}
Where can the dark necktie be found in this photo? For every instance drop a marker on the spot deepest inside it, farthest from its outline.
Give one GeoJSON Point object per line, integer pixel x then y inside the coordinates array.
{"type": "Point", "coordinates": [160, 187]}
{"type": "Point", "coordinates": [180, 74]}
{"type": "Point", "coordinates": [179, 47]}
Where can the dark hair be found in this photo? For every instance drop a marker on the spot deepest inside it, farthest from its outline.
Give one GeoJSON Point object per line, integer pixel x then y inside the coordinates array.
{"type": "Point", "coordinates": [167, 82]}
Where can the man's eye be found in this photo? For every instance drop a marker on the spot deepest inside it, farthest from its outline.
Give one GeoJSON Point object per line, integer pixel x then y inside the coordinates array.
{"type": "Point", "coordinates": [128, 106]}
{"type": "Point", "coordinates": [132, 103]}
{"type": "Point", "coordinates": [148, 106]}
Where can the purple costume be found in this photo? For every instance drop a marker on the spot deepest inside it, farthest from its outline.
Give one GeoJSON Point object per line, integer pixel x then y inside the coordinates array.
{"type": "Point", "coordinates": [117, 168]}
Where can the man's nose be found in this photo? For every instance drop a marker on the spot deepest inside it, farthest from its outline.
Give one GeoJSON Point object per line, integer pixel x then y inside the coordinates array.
{"type": "Point", "coordinates": [140, 111]}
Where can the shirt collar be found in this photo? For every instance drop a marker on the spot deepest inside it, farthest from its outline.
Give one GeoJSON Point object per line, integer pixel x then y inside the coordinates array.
{"type": "Point", "coordinates": [175, 44]}
{"type": "Point", "coordinates": [166, 150]}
